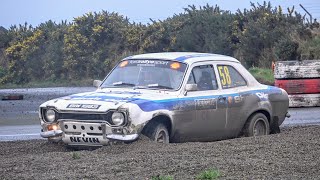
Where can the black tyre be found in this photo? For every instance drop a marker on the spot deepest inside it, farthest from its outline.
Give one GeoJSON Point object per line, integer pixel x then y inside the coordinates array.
{"type": "Point", "coordinates": [157, 132]}
{"type": "Point", "coordinates": [257, 125]}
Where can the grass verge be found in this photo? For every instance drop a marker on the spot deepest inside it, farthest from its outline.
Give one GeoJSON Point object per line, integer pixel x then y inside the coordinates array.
{"type": "Point", "coordinates": [264, 76]}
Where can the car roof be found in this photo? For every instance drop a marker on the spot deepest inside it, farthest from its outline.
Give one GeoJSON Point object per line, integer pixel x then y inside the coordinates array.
{"type": "Point", "coordinates": [187, 57]}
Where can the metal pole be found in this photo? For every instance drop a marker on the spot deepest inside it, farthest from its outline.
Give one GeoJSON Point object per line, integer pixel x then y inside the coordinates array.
{"type": "Point", "coordinates": [307, 13]}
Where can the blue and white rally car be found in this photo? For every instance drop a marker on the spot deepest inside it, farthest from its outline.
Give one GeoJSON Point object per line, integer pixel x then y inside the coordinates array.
{"type": "Point", "coordinates": [169, 97]}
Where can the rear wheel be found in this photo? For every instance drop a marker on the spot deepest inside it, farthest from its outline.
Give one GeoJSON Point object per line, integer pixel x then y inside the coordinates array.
{"type": "Point", "coordinates": [157, 132]}
{"type": "Point", "coordinates": [257, 125]}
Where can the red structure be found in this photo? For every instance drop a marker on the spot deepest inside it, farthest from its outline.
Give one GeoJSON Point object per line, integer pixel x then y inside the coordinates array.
{"type": "Point", "coordinates": [299, 86]}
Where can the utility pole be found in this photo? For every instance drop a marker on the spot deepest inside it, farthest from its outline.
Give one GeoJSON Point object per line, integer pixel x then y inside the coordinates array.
{"type": "Point", "coordinates": [307, 13]}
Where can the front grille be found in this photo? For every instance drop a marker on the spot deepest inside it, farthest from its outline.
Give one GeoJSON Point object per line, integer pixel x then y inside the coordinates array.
{"type": "Point", "coordinates": [86, 116]}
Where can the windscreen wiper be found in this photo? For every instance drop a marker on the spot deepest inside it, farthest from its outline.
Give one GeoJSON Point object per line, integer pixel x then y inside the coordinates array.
{"type": "Point", "coordinates": [120, 83]}
{"type": "Point", "coordinates": [159, 86]}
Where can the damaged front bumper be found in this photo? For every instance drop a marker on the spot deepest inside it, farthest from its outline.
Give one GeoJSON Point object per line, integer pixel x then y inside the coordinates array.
{"type": "Point", "coordinates": [87, 134]}
{"type": "Point", "coordinates": [51, 134]}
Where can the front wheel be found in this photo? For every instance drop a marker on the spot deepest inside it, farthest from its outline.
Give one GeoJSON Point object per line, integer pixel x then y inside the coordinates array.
{"type": "Point", "coordinates": [257, 125]}
{"type": "Point", "coordinates": [157, 132]}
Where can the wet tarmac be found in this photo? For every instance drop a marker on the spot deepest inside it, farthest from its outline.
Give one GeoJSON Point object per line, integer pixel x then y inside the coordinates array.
{"type": "Point", "coordinates": [20, 132]}
{"type": "Point", "coordinates": [303, 116]}
{"type": "Point", "coordinates": [25, 112]}
{"type": "Point", "coordinates": [19, 118]}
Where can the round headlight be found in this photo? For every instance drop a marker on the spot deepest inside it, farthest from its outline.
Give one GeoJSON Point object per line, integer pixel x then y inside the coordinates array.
{"type": "Point", "coordinates": [117, 118]}
{"type": "Point", "coordinates": [50, 115]}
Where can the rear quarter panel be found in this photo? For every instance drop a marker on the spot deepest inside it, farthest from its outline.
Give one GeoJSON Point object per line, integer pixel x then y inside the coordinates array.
{"type": "Point", "coordinates": [279, 103]}
{"type": "Point", "coordinates": [269, 99]}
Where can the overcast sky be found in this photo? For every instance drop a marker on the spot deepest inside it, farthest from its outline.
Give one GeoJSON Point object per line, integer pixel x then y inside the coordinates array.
{"type": "Point", "coordinates": [37, 11]}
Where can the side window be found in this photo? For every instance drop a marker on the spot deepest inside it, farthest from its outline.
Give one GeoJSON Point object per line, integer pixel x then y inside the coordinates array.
{"type": "Point", "coordinates": [204, 77]}
{"type": "Point", "coordinates": [230, 77]}
{"type": "Point", "coordinates": [191, 79]}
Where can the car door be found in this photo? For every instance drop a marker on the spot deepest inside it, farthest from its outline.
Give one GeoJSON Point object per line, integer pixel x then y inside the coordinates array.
{"type": "Point", "coordinates": [234, 86]}
{"type": "Point", "coordinates": [210, 106]}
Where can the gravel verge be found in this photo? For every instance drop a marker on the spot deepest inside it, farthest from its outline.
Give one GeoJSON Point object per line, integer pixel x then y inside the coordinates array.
{"type": "Point", "coordinates": [292, 154]}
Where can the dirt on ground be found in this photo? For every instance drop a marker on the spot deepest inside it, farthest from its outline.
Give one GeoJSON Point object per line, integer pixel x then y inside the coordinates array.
{"type": "Point", "coordinates": [292, 154]}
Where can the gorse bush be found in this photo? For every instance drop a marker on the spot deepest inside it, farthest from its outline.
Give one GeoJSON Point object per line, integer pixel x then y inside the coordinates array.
{"type": "Point", "coordinates": [92, 44]}
{"type": "Point", "coordinates": [311, 49]}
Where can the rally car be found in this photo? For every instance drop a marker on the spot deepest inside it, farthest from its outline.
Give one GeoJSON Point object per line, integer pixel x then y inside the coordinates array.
{"type": "Point", "coordinates": [168, 97]}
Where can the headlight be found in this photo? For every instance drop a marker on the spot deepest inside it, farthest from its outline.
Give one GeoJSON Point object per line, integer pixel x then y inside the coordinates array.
{"type": "Point", "coordinates": [50, 115]}
{"type": "Point", "coordinates": [117, 118]}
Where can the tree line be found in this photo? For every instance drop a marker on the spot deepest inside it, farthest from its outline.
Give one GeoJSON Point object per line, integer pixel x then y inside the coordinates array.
{"type": "Point", "coordinates": [90, 45]}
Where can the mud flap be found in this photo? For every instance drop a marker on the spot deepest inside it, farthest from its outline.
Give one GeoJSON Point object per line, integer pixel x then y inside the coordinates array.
{"type": "Point", "coordinates": [274, 126]}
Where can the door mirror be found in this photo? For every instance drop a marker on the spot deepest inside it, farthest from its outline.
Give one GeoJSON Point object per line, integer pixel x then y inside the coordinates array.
{"type": "Point", "coordinates": [96, 83]}
{"type": "Point", "coordinates": [191, 87]}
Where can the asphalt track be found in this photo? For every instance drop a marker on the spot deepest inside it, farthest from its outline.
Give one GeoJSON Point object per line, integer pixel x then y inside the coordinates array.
{"type": "Point", "coordinates": [19, 118]}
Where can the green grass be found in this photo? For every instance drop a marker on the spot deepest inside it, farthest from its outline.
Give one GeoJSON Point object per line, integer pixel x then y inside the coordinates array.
{"type": "Point", "coordinates": [264, 76]}
{"type": "Point", "coordinates": [161, 177]}
{"type": "Point", "coordinates": [208, 175]}
{"type": "Point", "coordinates": [75, 155]}
{"type": "Point", "coordinates": [50, 83]}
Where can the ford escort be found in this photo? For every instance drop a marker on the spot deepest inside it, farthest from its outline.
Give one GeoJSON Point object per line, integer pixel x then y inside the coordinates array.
{"type": "Point", "coordinates": [168, 97]}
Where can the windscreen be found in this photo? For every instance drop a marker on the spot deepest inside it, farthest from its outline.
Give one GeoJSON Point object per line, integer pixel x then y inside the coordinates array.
{"type": "Point", "coordinates": [158, 74]}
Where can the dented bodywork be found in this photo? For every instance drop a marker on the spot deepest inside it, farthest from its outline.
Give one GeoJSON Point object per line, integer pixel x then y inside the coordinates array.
{"type": "Point", "coordinates": [87, 119]}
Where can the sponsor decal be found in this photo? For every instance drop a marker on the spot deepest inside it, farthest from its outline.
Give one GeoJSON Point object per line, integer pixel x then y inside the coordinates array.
{"type": "Point", "coordinates": [184, 106]}
{"type": "Point", "coordinates": [154, 63]}
{"type": "Point", "coordinates": [206, 104]}
{"type": "Point", "coordinates": [238, 99]}
{"type": "Point", "coordinates": [84, 139]}
{"type": "Point", "coordinates": [262, 96]}
{"type": "Point", "coordinates": [149, 62]}
{"type": "Point", "coordinates": [84, 106]}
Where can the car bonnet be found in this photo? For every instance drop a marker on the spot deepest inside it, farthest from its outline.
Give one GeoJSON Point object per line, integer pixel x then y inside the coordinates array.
{"type": "Point", "coordinates": [99, 101]}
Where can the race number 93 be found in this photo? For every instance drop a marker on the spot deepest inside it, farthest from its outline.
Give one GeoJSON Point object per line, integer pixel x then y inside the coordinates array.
{"type": "Point", "coordinates": [224, 75]}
